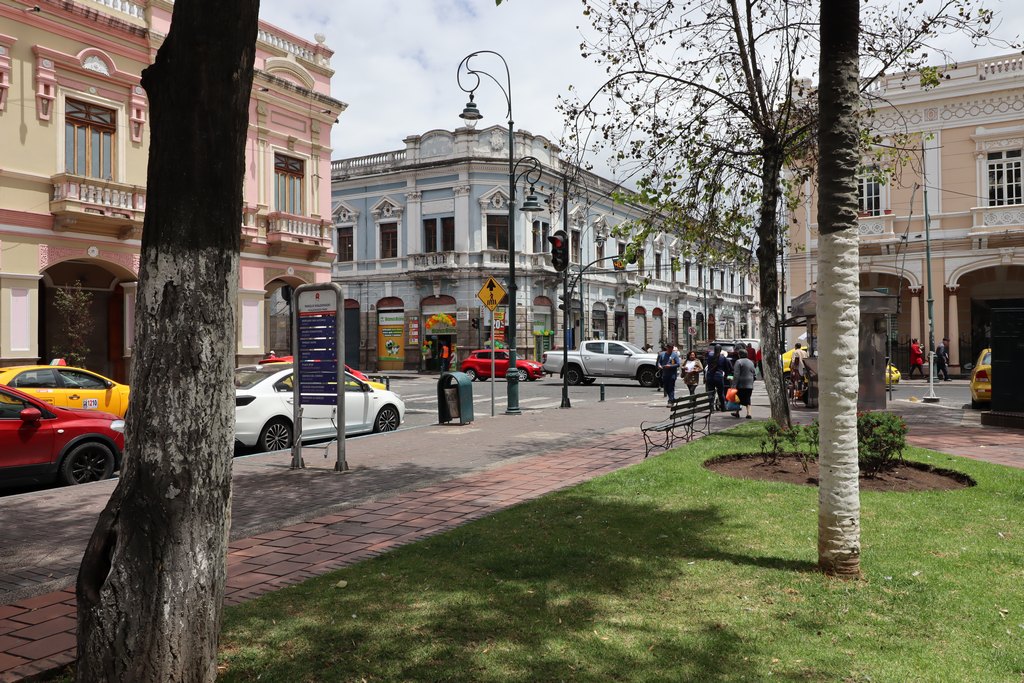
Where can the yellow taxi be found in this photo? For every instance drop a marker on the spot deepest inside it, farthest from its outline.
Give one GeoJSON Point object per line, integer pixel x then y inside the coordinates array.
{"type": "Point", "coordinates": [893, 376]}
{"type": "Point", "coordinates": [67, 387]}
{"type": "Point", "coordinates": [981, 379]}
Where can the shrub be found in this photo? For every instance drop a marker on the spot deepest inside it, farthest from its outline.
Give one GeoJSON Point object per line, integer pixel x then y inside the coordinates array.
{"type": "Point", "coordinates": [809, 435]}
{"type": "Point", "coordinates": [775, 437]}
{"type": "Point", "coordinates": [881, 438]}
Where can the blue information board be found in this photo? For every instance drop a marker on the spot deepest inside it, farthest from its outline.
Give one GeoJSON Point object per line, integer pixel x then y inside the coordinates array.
{"type": "Point", "coordinates": [317, 331]}
{"type": "Point", "coordinates": [318, 358]}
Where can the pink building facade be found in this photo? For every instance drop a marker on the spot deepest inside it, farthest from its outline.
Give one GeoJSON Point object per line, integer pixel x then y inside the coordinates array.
{"type": "Point", "coordinates": [74, 136]}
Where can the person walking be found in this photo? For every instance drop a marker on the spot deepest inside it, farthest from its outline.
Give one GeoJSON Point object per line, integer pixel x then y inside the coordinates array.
{"type": "Point", "coordinates": [743, 378]}
{"type": "Point", "coordinates": [669, 372]}
{"type": "Point", "coordinates": [916, 359]}
{"type": "Point", "coordinates": [710, 363]}
{"type": "Point", "coordinates": [692, 371]}
{"type": "Point", "coordinates": [722, 369]}
{"type": "Point", "coordinates": [660, 364]}
{"type": "Point", "coordinates": [942, 360]}
{"type": "Point", "coordinates": [752, 356]}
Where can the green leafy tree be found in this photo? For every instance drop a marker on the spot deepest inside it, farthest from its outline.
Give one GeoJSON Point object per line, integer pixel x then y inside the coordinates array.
{"type": "Point", "coordinates": [706, 102]}
{"type": "Point", "coordinates": [72, 305]}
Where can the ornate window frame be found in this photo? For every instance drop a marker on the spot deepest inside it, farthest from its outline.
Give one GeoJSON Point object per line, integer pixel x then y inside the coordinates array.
{"type": "Point", "coordinates": [345, 216]}
{"type": "Point", "coordinates": [494, 202]}
{"type": "Point", "coordinates": [6, 43]}
{"type": "Point", "coordinates": [986, 141]}
{"type": "Point", "coordinates": [387, 211]}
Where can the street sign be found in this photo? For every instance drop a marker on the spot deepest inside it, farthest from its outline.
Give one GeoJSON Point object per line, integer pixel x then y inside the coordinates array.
{"type": "Point", "coordinates": [491, 293]}
{"type": "Point", "coordinates": [691, 330]}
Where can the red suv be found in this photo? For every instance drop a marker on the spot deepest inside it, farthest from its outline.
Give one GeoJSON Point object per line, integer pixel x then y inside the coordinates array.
{"type": "Point", "coordinates": [40, 442]}
{"type": "Point", "coordinates": [478, 366]}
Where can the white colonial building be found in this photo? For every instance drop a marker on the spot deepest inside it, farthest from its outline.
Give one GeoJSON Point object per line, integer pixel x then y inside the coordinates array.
{"type": "Point", "coordinates": [419, 231]}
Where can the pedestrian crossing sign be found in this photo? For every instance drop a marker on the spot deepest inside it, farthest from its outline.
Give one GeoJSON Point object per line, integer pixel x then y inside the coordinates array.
{"type": "Point", "coordinates": [491, 294]}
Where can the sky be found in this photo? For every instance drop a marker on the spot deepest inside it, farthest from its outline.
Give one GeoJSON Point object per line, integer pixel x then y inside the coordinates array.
{"type": "Point", "coordinates": [395, 61]}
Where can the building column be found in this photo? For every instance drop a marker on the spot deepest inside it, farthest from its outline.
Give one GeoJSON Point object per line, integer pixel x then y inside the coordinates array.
{"type": "Point", "coordinates": [953, 327]}
{"type": "Point", "coordinates": [915, 313]}
{"type": "Point", "coordinates": [19, 318]}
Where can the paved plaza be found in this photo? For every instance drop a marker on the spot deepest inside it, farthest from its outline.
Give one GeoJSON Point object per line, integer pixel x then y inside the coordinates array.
{"type": "Point", "coordinates": [290, 525]}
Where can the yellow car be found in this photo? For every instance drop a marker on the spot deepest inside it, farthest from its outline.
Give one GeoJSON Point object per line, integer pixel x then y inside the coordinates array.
{"type": "Point", "coordinates": [981, 379]}
{"type": "Point", "coordinates": [894, 375]}
{"type": "Point", "coordinates": [67, 387]}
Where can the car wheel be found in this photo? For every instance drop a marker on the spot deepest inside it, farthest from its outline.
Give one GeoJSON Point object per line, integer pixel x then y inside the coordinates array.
{"type": "Point", "coordinates": [471, 374]}
{"type": "Point", "coordinates": [387, 420]}
{"type": "Point", "coordinates": [91, 461]}
{"type": "Point", "coordinates": [647, 376]}
{"type": "Point", "coordinates": [974, 404]}
{"type": "Point", "coordinates": [574, 375]}
{"type": "Point", "coordinates": [276, 435]}
{"type": "Point", "coordinates": [522, 375]}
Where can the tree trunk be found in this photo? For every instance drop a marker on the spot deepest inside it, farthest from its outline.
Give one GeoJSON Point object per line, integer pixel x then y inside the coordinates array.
{"type": "Point", "coordinates": [768, 283]}
{"type": "Point", "coordinates": [151, 585]}
{"type": "Point", "coordinates": [838, 285]}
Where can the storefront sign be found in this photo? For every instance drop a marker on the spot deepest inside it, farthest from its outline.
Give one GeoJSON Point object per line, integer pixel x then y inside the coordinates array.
{"type": "Point", "coordinates": [391, 336]}
{"type": "Point", "coordinates": [414, 331]}
{"type": "Point", "coordinates": [498, 326]}
{"type": "Point", "coordinates": [440, 323]}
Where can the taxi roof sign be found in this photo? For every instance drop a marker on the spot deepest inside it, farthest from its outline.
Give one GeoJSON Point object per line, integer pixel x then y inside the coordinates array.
{"type": "Point", "coordinates": [491, 294]}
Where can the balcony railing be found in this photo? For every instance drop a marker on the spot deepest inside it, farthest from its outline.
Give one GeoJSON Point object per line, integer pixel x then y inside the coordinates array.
{"type": "Point", "coordinates": [97, 206]}
{"type": "Point", "coordinates": [302, 236]}
{"type": "Point", "coordinates": [997, 218]}
{"type": "Point", "coordinates": [371, 162]}
{"type": "Point", "coordinates": [130, 8]}
{"type": "Point", "coordinates": [441, 259]}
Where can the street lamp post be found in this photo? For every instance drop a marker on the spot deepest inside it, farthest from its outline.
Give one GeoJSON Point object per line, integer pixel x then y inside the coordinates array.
{"type": "Point", "coordinates": [471, 114]}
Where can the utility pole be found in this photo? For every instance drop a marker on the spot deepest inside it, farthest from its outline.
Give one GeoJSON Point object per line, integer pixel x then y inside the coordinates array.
{"type": "Point", "coordinates": [931, 397]}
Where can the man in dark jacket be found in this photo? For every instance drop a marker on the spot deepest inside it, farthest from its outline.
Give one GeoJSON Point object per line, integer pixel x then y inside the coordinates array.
{"type": "Point", "coordinates": [942, 360]}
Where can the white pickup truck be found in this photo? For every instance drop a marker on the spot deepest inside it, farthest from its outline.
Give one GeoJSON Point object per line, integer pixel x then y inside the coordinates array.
{"type": "Point", "coordinates": [601, 358]}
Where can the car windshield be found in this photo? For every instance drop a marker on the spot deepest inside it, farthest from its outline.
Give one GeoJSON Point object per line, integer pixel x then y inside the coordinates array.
{"type": "Point", "coordinates": [987, 360]}
{"type": "Point", "coordinates": [249, 376]}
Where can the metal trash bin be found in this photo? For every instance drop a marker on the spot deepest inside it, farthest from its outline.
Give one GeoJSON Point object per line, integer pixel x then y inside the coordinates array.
{"type": "Point", "coordinates": [454, 398]}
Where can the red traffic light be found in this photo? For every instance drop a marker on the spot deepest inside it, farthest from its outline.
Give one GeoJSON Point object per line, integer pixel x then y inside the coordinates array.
{"type": "Point", "coordinates": [559, 250]}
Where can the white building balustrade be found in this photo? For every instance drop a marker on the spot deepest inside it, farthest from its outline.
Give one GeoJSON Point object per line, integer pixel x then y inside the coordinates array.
{"type": "Point", "coordinates": [996, 218]}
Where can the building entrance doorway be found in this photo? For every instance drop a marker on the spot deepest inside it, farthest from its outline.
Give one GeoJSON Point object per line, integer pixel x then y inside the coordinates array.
{"type": "Point", "coordinates": [102, 344]}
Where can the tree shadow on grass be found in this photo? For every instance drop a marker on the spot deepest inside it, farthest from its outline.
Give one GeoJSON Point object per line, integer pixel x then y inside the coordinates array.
{"type": "Point", "coordinates": [570, 589]}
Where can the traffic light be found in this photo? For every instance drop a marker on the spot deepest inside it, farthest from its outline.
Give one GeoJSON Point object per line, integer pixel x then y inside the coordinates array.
{"type": "Point", "coordinates": [476, 323]}
{"type": "Point", "coordinates": [559, 250]}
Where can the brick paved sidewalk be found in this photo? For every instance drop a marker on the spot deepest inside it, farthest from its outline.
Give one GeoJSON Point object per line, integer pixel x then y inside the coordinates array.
{"type": "Point", "coordinates": [38, 634]}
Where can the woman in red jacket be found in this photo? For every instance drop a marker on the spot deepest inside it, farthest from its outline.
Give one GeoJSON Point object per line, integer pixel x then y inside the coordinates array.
{"type": "Point", "coordinates": [916, 358]}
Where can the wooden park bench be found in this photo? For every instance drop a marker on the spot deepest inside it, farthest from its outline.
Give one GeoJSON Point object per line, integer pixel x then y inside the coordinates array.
{"type": "Point", "coordinates": [687, 417]}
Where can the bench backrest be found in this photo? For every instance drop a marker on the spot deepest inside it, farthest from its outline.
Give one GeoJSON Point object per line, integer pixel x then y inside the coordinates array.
{"type": "Point", "coordinates": [687, 406]}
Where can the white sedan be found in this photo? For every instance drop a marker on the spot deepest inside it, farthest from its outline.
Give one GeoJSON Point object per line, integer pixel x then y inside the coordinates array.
{"type": "Point", "coordinates": [264, 400]}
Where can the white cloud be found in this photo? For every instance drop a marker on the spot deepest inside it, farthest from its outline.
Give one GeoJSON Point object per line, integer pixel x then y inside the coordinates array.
{"type": "Point", "coordinates": [395, 60]}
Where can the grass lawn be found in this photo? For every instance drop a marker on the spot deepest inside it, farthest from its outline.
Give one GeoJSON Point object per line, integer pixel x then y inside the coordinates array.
{"type": "Point", "coordinates": [668, 572]}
